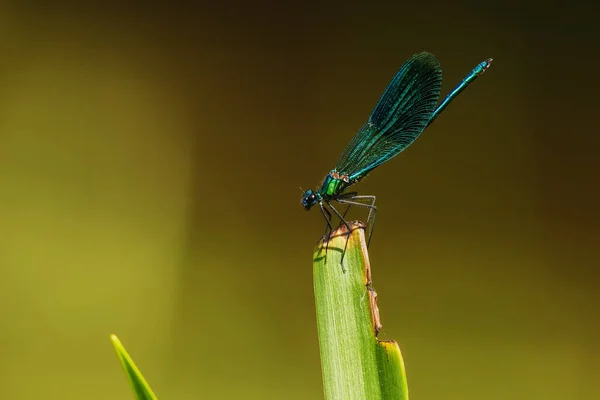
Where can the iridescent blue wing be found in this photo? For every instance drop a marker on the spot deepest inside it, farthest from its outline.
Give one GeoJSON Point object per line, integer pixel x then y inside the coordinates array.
{"type": "Point", "coordinates": [398, 119]}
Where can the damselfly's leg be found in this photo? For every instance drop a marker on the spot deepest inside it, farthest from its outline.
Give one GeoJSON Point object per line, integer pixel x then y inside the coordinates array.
{"type": "Point", "coordinates": [346, 210]}
{"type": "Point", "coordinates": [347, 227]}
{"type": "Point", "coordinates": [349, 194]}
{"type": "Point", "coordinates": [372, 213]}
{"type": "Point", "coordinates": [356, 200]}
{"type": "Point", "coordinates": [328, 227]}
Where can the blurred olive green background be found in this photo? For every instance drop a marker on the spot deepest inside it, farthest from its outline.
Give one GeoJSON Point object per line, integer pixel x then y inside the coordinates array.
{"type": "Point", "coordinates": [150, 159]}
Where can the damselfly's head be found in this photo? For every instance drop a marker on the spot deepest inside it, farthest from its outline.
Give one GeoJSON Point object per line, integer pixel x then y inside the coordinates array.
{"type": "Point", "coordinates": [309, 199]}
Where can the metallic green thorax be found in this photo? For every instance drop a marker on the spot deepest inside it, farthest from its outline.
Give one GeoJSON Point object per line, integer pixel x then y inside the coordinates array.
{"type": "Point", "coordinates": [334, 185]}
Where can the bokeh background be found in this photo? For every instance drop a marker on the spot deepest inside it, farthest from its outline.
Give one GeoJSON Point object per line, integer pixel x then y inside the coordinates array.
{"type": "Point", "coordinates": [150, 164]}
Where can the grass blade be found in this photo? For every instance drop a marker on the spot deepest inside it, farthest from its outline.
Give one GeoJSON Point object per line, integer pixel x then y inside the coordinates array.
{"type": "Point", "coordinates": [355, 365]}
{"type": "Point", "coordinates": [141, 389]}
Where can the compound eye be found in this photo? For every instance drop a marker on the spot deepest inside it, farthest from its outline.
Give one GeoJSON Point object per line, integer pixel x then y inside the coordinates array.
{"type": "Point", "coordinates": [312, 197]}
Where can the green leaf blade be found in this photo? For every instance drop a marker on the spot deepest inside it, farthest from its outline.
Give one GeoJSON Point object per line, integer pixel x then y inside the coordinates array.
{"type": "Point", "coordinates": [355, 365]}
{"type": "Point", "coordinates": [141, 389]}
{"type": "Point", "coordinates": [392, 375]}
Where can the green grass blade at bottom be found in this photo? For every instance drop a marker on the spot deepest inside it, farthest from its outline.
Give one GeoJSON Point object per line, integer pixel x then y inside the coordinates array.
{"type": "Point", "coordinates": [141, 388]}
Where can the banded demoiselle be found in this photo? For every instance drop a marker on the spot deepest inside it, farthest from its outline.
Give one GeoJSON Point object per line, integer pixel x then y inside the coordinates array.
{"type": "Point", "coordinates": [406, 108]}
